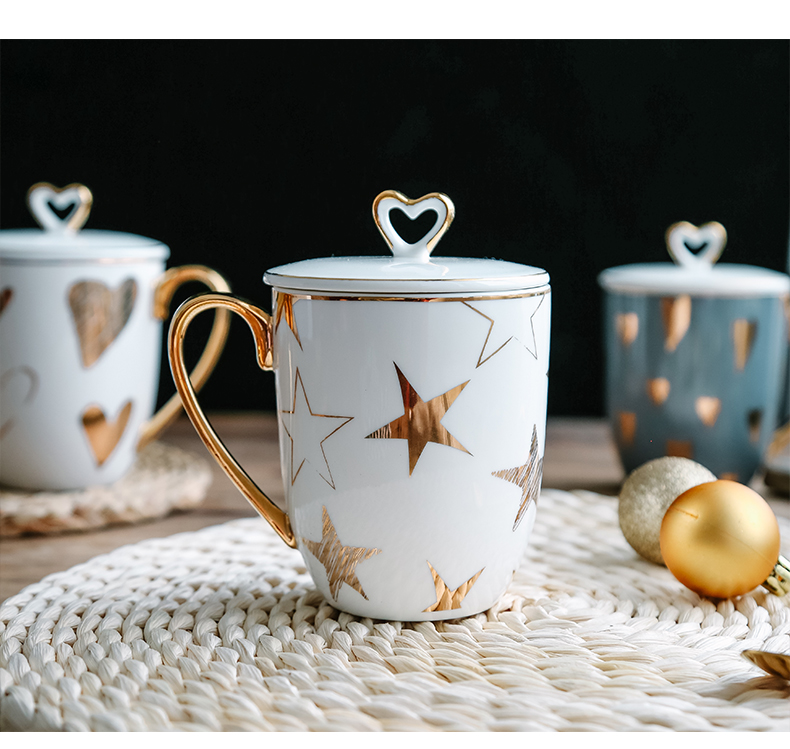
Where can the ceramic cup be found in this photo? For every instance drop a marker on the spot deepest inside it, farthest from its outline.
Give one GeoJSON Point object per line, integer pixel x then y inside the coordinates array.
{"type": "Point", "coordinates": [695, 355]}
{"type": "Point", "coordinates": [411, 405]}
{"type": "Point", "coordinates": [80, 345]}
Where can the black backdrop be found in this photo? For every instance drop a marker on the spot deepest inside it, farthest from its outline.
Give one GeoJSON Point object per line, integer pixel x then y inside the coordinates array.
{"type": "Point", "coordinates": [572, 156]}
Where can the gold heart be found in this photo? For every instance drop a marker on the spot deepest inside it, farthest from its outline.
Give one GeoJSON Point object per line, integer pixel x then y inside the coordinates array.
{"type": "Point", "coordinates": [712, 236]}
{"type": "Point", "coordinates": [708, 409]}
{"type": "Point", "coordinates": [627, 324]}
{"type": "Point", "coordinates": [40, 195]}
{"type": "Point", "coordinates": [5, 297]}
{"type": "Point", "coordinates": [104, 436]}
{"type": "Point", "coordinates": [658, 390]}
{"type": "Point", "coordinates": [100, 315]}
{"type": "Point", "coordinates": [422, 249]}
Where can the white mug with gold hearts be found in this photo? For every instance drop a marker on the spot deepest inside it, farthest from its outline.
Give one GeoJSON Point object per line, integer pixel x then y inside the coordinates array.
{"type": "Point", "coordinates": [411, 394]}
{"type": "Point", "coordinates": [80, 345]}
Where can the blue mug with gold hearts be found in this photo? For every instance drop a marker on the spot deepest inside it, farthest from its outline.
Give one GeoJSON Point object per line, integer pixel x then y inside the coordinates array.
{"type": "Point", "coordinates": [695, 355]}
{"type": "Point", "coordinates": [81, 344]}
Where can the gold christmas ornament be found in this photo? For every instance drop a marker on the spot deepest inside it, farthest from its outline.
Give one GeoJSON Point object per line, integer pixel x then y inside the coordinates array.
{"type": "Point", "coordinates": [648, 492]}
{"type": "Point", "coordinates": [721, 539]}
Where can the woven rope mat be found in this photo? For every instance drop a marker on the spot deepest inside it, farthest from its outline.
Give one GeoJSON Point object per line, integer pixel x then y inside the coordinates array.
{"type": "Point", "coordinates": [164, 478]}
{"type": "Point", "coordinates": [223, 630]}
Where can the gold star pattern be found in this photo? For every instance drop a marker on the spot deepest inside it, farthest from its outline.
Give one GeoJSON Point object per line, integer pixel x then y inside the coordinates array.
{"type": "Point", "coordinates": [446, 599]}
{"type": "Point", "coordinates": [421, 421]}
{"type": "Point", "coordinates": [533, 348]}
{"type": "Point", "coordinates": [314, 430]}
{"type": "Point", "coordinates": [340, 562]}
{"type": "Point", "coordinates": [284, 308]}
{"type": "Point", "coordinates": [526, 477]}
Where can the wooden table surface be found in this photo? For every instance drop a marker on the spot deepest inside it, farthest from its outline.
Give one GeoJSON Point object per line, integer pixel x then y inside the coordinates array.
{"type": "Point", "coordinates": [580, 454]}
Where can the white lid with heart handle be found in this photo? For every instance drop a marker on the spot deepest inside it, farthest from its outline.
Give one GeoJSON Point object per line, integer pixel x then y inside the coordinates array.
{"type": "Point", "coordinates": [62, 238]}
{"type": "Point", "coordinates": [410, 269]}
{"type": "Point", "coordinates": [695, 272]}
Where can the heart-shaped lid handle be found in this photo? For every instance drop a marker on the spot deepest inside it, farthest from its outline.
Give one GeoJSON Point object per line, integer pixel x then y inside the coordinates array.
{"type": "Point", "coordinates": [417, 252]}
{"type": "Point", "coordinates": [711, 237]}
{"type": "Point", "coordinates": [42, 196]}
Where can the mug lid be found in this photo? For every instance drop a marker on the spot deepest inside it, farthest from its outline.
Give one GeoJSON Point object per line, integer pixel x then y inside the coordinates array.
{"type": "Point", "coordinates": [698, 273]}
{"type": "Point", "coordinates": [62, 238]}
{"type": "Point", "coordinates": [411, 269]}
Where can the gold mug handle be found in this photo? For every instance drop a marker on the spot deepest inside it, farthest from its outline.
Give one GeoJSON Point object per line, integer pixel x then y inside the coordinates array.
{"type": "Point", "coordinates": [166, 286]}
{"type": "Point", "coordinates": [260, 323]}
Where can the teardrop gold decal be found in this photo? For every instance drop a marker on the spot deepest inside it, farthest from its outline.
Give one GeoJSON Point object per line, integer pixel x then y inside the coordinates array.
{"type": "Point", "coordinates": [627, 324]}
{"type": "Point", "coordinates": [676, 315]}
{"type": "Point", "coordinates": [627, 422]}
{"type": "Point", "coordinates": [743, 335]}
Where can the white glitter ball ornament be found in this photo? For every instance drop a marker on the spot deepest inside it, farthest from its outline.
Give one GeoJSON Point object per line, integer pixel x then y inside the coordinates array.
{"type": "Point", "coordinates": [647, 494]}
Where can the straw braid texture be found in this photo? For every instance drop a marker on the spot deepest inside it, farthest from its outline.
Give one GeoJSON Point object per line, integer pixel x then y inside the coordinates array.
{"type": "Point", "coordinates": [223, 630]}
{"type": "Point", "coordinates": [164, 478]}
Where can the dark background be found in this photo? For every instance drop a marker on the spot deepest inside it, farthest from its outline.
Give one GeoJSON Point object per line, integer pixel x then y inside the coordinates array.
{"type": "Point", "coordinates": [573, 156]}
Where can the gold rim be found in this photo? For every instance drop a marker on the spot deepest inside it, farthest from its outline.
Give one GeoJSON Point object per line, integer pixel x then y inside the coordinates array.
{"type": "Point", "coordinates": [324, 298]}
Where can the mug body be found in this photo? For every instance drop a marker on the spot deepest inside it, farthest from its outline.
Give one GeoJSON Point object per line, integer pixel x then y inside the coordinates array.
{"type": "Point", "coordinates": [412, 433]}
{"type": "Point", "coordinates": [80, 351]}
{"type": "Point", "coordinates": [699, 377]}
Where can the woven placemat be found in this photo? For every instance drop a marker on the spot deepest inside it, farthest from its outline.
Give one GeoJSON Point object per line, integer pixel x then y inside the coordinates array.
{"type": "Point", "coordinates": [163, 479]}
{"type": "Point", "coordinates": [222, 629]}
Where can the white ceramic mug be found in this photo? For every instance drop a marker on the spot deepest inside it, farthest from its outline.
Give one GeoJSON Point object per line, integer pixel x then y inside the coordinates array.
{"type": "Point", "coordinates": [412, 405]}
{"type": "Point", "coordinates": [80, 345]}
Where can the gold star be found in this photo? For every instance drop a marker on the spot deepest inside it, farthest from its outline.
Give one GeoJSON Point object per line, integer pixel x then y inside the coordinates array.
{"type": "Point", "coordinates": [526, 477]}
{"type": "Point", "coordinates": [284, 308]}
{"type": "Point", "coordinates": [446, 599]}
{"type": "Point", "coordinates": [530, 346]}
{"type": "Point", "coordinates": [314, 430]}
{"type": "Point", "coordinates": [340, 562]}
{"type": "Point", "coordinates": [420, 423]}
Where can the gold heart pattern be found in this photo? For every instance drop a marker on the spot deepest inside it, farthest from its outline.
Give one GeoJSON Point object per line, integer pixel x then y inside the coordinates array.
{"type": "Point", "coordinates": [104, 435]}
{"type": "Point", "coordinates": [100, 314]}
